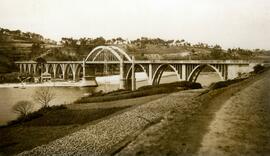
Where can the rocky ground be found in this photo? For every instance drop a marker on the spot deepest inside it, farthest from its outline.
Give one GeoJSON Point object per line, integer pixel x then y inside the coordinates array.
{"type": "Point", "coordinates": [229, 121]}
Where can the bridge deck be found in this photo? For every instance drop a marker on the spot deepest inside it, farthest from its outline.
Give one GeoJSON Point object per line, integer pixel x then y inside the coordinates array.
{"type": "Point", "coordinates": [151, 62]}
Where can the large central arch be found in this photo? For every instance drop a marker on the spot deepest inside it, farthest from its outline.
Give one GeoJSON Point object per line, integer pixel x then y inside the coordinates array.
{"type": "Point", "coordinates": [104, 54]}
{"type": "Point", "coordinates": [113, 54]}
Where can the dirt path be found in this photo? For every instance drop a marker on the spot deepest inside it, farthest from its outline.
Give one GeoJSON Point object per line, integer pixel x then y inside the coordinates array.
{"type": "Point", "coordinates": [242, 125]}
{"type": "Point", "coordinates": [221, 122]}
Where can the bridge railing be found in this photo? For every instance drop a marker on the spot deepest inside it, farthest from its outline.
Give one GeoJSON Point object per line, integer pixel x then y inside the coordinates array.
{"type": "Point", "coordinates": [152, 61]}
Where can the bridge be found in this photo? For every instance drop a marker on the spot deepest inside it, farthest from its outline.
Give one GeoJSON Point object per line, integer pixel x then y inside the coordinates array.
{"type": "Point", "coordinates": [186, 70]}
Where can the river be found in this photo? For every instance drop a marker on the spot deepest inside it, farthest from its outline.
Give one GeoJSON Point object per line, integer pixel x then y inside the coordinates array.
{"type": "Point", "coordinates": [66, 95]}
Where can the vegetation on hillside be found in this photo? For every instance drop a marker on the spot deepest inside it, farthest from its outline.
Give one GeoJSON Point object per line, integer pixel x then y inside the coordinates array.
{"type": "Point", "coordinates": [17, 45]}
{"type": "Point", "coordinates": [156, 48]}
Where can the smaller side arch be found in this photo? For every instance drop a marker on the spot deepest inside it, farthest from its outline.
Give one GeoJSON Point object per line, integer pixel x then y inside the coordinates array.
{"type": "Point", "coordinates": [59, 71]}
{"type": "Point", "coordinates": [159, 72]}
{"type": "Point", "coordinates": [79, 72]}
{"type": "Point", "coordinates": [136, 66]}
{"type": "Point", "coordinates": [197, 70]}
{"type": "Point", "coordinates": [69, 71]}
{"type": "Point", "coordinates": [129, 74]}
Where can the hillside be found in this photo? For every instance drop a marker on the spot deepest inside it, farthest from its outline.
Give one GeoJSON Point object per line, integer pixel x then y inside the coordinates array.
{"type": "Point", "coordinates": [16, 45]}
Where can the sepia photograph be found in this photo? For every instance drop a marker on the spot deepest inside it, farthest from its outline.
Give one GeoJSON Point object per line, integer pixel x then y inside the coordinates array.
{"type": "Point", "coordinates": [135, 77]}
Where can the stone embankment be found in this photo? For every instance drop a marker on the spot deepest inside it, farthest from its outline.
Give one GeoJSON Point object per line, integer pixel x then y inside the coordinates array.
{"type": "Point", "coordinates": [111, 135]}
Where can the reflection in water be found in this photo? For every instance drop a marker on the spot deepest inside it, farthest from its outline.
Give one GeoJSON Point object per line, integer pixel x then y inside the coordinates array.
{"type": "Point", "coordinates": [65, 95]}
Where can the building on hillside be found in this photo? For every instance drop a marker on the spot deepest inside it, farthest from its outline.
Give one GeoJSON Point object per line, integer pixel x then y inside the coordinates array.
{"type": "Point", "coordinates": [45, 77]}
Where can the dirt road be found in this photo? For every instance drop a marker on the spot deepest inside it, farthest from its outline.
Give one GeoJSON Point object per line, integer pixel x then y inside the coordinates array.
{"type": "Point", "coordinates": [242, 125]}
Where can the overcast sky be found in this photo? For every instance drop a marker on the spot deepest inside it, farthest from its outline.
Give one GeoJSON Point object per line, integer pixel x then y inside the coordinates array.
{"type": "Point", "coordinates": [230, 23]}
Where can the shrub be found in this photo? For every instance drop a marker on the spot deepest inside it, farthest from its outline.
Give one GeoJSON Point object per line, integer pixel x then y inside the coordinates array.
{"type": "Point", "coordinates": [258, 68]}
{"type": "Point", "coordinates": [36, 114]}
{"type": "Point", "coordinates": [44, 96]}
{"type": "Point", "coordinates": [23, 108]}
{"type": "Point", "coordinates": [142, 91]}
{"type": "Point", "coordinates": [222, 84]}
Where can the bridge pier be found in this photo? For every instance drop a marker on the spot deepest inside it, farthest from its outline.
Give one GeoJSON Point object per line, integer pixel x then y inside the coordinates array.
{"type": "Point", "coordinates": [54, 67]}
{"type": "Point", "coordinates": [150, 74]}
{"type": "Point", "coordinates": [47, 68]}
{"type": "Point", "coordinates": [184, 76]}
{"type": "Point", "coordinates": [121, 75]}
{"type": "Point", "coordinates": [21, 68]}
{"type": "Point", "coordinates": [24, 68]}
{"type": "Point", "coordinates": [35, 68]}
{"type": "Point", "coordinates": [133, 78]}
{"type": "Point", "coordinates": [83, 66]}
{"type": "Point", "coordinates": [63, 68]}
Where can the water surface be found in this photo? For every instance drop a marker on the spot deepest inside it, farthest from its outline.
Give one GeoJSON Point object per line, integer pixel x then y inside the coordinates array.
{"type": "Point", "coordinates": [66, 95]}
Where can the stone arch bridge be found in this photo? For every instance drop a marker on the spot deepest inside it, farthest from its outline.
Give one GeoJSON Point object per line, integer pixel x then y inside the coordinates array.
{"type": "Point", "coordinates": [187, 70]}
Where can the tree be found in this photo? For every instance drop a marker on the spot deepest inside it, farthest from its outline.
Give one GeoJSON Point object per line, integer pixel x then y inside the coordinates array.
{"type": "Point", "coordinates": [40, 63]}
{"type": "Point", "coordinates": [23, 108]}
{"type": "Point", "coordinates": [99, 41]}
{"type": "Point", "coordinates": [44, 96]}
{"type": "Point", "coordinates": [216, 52]}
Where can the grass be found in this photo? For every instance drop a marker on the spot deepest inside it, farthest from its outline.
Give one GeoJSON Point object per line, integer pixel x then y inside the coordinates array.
{"type": "Point", "coordinates": [47, 125]}
{"type": "Point", "coordinates": [222, 84]}
{"type": "Point", "coordinates": [142, 91]}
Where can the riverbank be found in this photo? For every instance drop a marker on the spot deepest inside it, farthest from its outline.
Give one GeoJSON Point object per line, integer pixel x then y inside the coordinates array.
{"type": "Point", "coordinates": [65, 119]}
{"type": "Point", "coordinates": [49, 84]}
{"type": "Point", "coordinates": [58, 123]}
{"type": "Point", "coordinates": [173, 125]}
{"type": "Point", "coordinates": [135, 122]}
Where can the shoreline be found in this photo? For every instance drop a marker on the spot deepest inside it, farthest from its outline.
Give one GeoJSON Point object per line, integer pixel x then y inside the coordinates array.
{"type": "Point", "coordinates": [47, 84]}
{"type": "Point", "coordinates": [100, 81]}
{"type": "Point", "coordinates": [114, 79]}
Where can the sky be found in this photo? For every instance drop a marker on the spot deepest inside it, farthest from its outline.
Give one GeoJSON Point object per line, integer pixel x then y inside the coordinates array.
{"type": "Point", "coordinates": [229, 23]}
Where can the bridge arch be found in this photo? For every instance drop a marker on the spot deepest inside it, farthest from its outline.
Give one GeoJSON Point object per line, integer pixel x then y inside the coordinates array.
{"type": "Point", "coordinates": [79, 72]}
{"type": "Point", "coordinates": [120, 54]}
{"type": "Point", "coordinates": [50, 68]}
{"type": "Point", "coordinates": [59, 71]}
{"type": "Point", "coordinates": [68, 72]}
{"type": "Point", "coordinates": [197, 70]}
{"type": "Point", "coordinates": [159, 72]}
{"type": "Point", "coordinates": [129, 73]}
